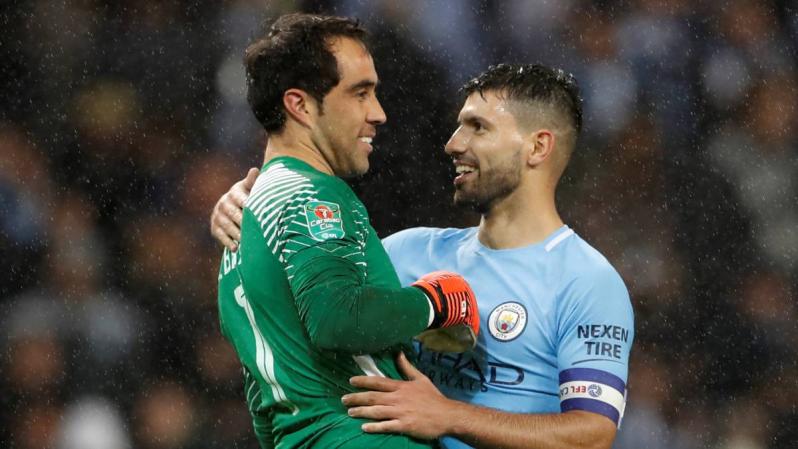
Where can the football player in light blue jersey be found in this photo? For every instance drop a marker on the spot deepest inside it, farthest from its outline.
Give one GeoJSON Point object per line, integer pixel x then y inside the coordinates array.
{"type": "Point", "coordinates": [550, 366]}
{"type": "Point", "coordinates": [556, 324]}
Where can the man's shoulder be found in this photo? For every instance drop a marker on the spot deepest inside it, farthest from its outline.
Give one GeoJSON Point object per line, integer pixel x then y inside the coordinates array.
{"type": "Point", "coordinates": [581, 257]}
{"type": "Point", "coordinates": [426, 236]}
{"type": "Point", "coordinates": [285, 181]}
{"type": "Point", "coordinates": [589, 282]}
{"type": "Point", "coordinates": [284, 169]}
{"type": "Point", "coordinates": [584, 266]}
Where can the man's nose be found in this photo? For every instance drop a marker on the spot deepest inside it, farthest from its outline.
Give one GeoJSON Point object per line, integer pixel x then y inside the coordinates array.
{"type": "Point", "coordinates": [456, 143]}
{"type": "Point", "coordinates": [376, 115]}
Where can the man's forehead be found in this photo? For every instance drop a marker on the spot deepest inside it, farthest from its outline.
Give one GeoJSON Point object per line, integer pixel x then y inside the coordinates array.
{"type": "Point", "coordinates": [484, 103]}
{"type": "Point", "coordinates": [348, 51]}
{"type": "Point", "coordinates": [353, 59]}
{"type": "Point", "coordinates": [338, 44]}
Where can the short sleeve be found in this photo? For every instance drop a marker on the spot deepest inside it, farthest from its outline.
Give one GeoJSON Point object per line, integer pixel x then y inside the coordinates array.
{"type": "Point", "coordinates": [595, 333]}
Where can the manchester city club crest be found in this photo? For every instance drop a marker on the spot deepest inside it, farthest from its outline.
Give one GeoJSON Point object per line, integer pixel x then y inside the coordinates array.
{"type": "Point", "coordinates": [507, 321]}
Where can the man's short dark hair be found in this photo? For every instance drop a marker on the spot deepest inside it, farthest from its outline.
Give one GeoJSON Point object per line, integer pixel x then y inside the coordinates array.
{"type": "Point", "coordinates": [295, 53]}
{"type": "Point", "coordinates": [532, 83]}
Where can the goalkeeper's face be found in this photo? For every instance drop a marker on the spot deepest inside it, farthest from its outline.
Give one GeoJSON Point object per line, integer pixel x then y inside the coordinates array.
{"type": "Point", "coordinates": [487, 151]}
{"type": "Point", "coordinates": [347, 121]}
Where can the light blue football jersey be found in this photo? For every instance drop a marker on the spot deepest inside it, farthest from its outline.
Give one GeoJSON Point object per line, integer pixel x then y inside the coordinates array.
{"type": "Point", "coordinates": [556, 323]}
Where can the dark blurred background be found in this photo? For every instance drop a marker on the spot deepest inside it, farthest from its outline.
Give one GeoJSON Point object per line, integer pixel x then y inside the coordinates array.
{"type": "Point", "coordinates": [121, 123]}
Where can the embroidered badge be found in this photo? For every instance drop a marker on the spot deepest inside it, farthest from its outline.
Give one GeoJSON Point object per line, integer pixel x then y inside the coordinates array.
{"type": "Point", "coordinates": [507, 321]}
{"type": "Point", "coordinates": [324, 220]}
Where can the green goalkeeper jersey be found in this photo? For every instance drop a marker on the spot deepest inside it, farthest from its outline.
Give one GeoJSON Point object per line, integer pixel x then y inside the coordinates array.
{"type": "Point", "coordinates": [309, 300]}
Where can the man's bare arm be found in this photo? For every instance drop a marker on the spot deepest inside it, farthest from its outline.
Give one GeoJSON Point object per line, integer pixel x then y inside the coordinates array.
{"type": "Point", "coordinates": [484, 427]}
{"type": "Point", "coordinates": [415, 407]}
{"type": "Point", "coordinates": [227, 214]}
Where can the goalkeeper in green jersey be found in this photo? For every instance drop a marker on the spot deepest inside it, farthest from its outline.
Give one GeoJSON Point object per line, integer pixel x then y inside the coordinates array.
{"type": "Point", "coordinates": [310, 298]}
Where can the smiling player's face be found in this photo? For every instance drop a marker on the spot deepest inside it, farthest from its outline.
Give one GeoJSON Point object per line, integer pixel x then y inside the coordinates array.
{"type": "Point", "coordinates": [487, 150]}
{"type": "Point", "coordinates": [351, 111]}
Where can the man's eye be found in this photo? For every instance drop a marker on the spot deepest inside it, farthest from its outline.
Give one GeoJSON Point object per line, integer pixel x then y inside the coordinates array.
{"type": "Point", "coordinates": [363, 95]}
{"type": "Point", "coordinates": [478, 126]}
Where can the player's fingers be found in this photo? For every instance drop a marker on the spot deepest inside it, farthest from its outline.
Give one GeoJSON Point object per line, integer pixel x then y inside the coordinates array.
{"type": "Point", "coordinates": [240, 190]}
{"type": "Point", "coordinates": [374, 383]}
{"type": "Point", "coordinates": [238, 194]}
{"type": "Point", "coordinates": [392, 426]}
{"type": "Point", "coordinates": [378, 412]}
{"type": "Point", "coordinates": [231, 211]}
{"type": "Point", "coordinates": [224, 239]}
{"type": "Point", "coordinates": [365, 398]}
{"type": "Point", "coordinates": [407, 368]}
{"type": "Point", "coordinates": [249, 181]}
{"type": "Point", "coordinates": [230, 229]}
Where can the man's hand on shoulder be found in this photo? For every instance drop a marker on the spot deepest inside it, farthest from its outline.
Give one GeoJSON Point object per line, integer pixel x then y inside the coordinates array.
{"type": "Point", "coordinates": [228, 212]}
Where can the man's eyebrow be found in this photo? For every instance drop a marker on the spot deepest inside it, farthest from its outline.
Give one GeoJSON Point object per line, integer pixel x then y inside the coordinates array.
{"type": "Point", "coordinates": [363, 84]}
{"type": "Point", "coordinates": [470, 118]}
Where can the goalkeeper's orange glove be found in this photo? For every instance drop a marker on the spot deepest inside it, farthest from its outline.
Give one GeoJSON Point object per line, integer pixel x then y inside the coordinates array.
{"type": "Point", "coordinates": [454, 307]}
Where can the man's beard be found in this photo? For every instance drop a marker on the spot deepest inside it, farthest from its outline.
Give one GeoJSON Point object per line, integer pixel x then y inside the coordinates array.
{"type": "Point", "coordinates": [489, 190]}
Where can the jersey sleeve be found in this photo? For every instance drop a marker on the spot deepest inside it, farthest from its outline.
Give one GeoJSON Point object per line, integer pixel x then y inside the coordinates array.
{"type": "Point", "coordinates": [323, 251]}
{"type": "Point", "coordinates": [595, 333]}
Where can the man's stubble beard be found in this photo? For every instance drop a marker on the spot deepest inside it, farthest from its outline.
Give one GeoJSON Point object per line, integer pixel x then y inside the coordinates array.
{"type": "Point", "coordinates": [491, 189]}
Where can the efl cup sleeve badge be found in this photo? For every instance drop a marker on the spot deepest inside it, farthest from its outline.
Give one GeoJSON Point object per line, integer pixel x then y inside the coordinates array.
{"type": "Point", "coordinates": [324, 220]}
{"type": "Point", "coordinates": [507, 321]}
{"type": "Point", "coordinates": [594, 390]}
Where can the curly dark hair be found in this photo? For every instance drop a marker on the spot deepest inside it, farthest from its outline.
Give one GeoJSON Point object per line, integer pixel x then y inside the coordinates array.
{"type": "Point", "coordinates": [295, 53]}
{"type": "Point", "coordinates": [532, 83]}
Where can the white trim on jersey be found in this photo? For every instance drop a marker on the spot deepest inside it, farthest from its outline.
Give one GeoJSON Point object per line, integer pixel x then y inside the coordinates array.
{"type": "Point", "coordinates": [264, 358]}
{"type": "Point", "coordinates": [557, 240]}
{"type": "Point", "coordinates": [366, 363]}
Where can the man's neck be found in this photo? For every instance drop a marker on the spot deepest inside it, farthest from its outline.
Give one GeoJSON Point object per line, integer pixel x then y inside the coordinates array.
{"type": "Point", "coordinates": [519, 220]}
{"type": "Point", "coordinates": [298, 147]}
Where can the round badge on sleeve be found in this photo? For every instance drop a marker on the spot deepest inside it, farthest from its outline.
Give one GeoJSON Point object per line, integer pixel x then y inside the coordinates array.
{"type": "Point", "coordinates": [507, 321]}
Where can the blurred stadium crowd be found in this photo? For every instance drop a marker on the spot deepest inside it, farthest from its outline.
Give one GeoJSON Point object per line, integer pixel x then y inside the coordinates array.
{"type": "Point", "coordinates": [121, 123]}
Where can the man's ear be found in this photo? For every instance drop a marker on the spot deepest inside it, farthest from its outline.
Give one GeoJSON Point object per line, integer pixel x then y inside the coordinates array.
{"type": "Point", "coordinates": [300, 106]}
{"type": "Point", "coordinates": [540, 145]}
